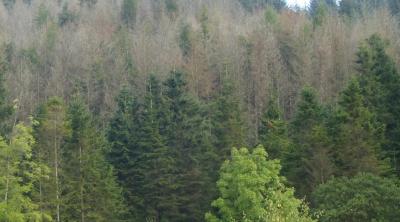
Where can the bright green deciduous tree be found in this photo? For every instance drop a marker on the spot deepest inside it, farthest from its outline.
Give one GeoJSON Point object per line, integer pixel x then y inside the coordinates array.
{"type": "Point", "coordinates": [17, 175]}
{"type": "Point", "coordinates": [251, 189]}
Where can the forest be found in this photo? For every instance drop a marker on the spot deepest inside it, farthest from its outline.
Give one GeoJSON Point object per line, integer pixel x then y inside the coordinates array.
{"type": "Point", "coordinates": [199, 110]}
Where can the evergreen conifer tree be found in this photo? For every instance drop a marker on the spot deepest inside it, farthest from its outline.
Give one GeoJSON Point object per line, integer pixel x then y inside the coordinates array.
{"type": "Point", "coordinates": [273, 132]}
{"type": "Point", "coordinates": [227, 121]}
{"type": "Point", "coordinates": [157, 163]}
{"type": "Point", "coordinates": [50, 133]}
{"type": "Point", "coordinates": [380, 87]}
{"type": "Point", "coordinates": [308, 161]}
{"type": "Point", "coordinates": [188, 135]}
{"type": "Point", "coordinates": [6, 110]}
{"type": "Point", "coordinates": [361, 135]}
{"type": "Point", "coordinates": [128, 12]}
{"type": "Point", "coordinates": [122, 138]}
{"type": "Point", "coordinates": [90, 191]}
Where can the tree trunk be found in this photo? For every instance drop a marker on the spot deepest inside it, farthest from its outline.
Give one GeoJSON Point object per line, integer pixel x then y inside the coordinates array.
{"type": "Point", "coordinates": [7, 180]}
{"type": "Point", "coordinates": [56, 170]}
{"type": "Point", "coordinates": [81, 184]}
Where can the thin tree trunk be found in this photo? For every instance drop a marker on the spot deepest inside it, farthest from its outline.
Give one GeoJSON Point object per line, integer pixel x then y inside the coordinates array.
{"type": "Point", "coordinates": [7, 180]}
{"type": "Point", "coordinates": [40, 190]}
{"type": "Point", "coordinates": [81, 184]}
{"type": "Point", "coordinates": [8, 163]}
{"type": "Point", "coordinates": [56, 170]}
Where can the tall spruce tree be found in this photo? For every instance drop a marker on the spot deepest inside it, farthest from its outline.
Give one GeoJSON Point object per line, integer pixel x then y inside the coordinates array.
{"type": "Point", "coordinates": [157, 164]}
{"type": "Point", "coordinates": [355, 8]}
{"type": "Point", "coordinates": [122, 139]}
{"type": "Point", "coordinates": [251, 5]}
{"type": "Point", "coordinates": [185, 40]}
{"type": "Point", "coordinates": [128, 12]}
{"type": "Point", "coordinates": [6, 109]}
{"type": "Point", "coordinates": [227, 121]}
{"type": "Point", "coordinates": [361, 135]}
{"type": "Point", "coordinates": [308, 161]}
{"type": "Point", "coordinates": [50, 133]}
{"type": "Point", "coordinates": [380, 86]}
{"type": "Point", "coordinates": [188, 134]}
{"type": "Point", "coordinates": [90, 191]}
{"type": "Point", "coordinates": [273, 131]}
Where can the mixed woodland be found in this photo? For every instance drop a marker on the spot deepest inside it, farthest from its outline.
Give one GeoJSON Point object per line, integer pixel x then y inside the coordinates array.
{"type": "Point", "coordinates": [199, 110]}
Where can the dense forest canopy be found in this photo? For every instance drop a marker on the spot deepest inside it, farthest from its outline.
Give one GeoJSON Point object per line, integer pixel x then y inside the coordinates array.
{"type": "Point", "coordinates": [212, 110]}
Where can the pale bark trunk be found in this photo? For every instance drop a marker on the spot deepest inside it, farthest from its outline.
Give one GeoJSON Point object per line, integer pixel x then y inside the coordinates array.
{"type": "Point", "coordinates": [56, 171]}
{"type": "Point", "coordinates": [81, 185]}
{"type": "Point", "coordinates": [7, 181]}
{"type": "Point", "coordinates": [8, 164]}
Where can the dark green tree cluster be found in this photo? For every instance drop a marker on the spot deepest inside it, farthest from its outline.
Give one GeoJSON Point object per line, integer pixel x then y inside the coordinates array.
{"type": "Point", "coordinates": [128, 12]}
{"type": "Point", "coordinates": [9, 4]}
{"type": "Point", "coordinates": [88, 3]}
{"type": "Point", "coordinates": [355, 8]}
{"type": "Point", "coordinates": [66, 16]}
{"type": "Point", "coordinates": [160, 149]}
{"type": "Point", "coordinates": [6, 109]}
{"type": "Point", "coordinates": [185, 40]}
{"type": "Point", "coordinates": [251, 5]}
{"type": "Point", "coordinates": [167, 148]}
{"type": "Point", "coordinates": [172, 8]}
